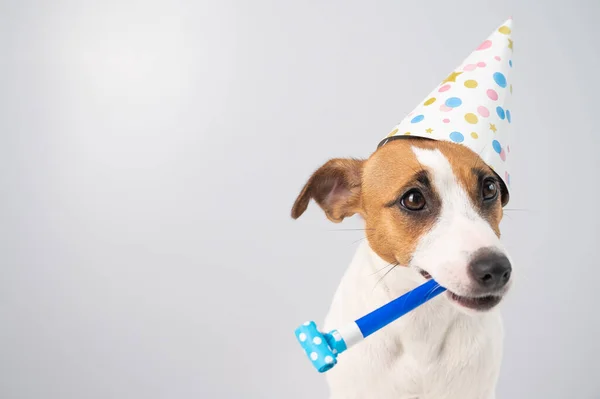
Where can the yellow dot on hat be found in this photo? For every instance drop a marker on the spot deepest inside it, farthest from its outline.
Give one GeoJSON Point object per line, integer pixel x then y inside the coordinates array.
{"type": "Point", "coordinates": [429, 130]}
{"type": "Point", "coordinates": [510, 89]}
{"type": "Point", "coordinates": [493, 127]}
{"type": "Point", "coordinates": [407, 134]}
{"type": "Point", "coordinates": [504, 30]}
{"type": "Point", "coordinates": [474, 135]}
{"type": "Point", "coordinates": [471, 118]}
{"type": "Point", "coordinates": [430, 101]}
{"type": "Point", "coordinates": [471, 84]}
{"type": "Point", "coordinates": [393, 132]}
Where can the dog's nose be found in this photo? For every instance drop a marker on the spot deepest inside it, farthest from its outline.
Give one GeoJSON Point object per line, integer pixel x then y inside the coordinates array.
{"type": "Point", "coordinates": [491, 270]}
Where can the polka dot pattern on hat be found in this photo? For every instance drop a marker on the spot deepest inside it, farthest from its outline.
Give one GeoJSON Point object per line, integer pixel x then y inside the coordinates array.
{"type": "Point", "coordinates": [471, 105]}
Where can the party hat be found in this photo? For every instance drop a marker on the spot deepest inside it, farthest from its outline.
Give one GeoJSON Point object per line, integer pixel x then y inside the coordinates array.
{"type": "Point", "coordinates": [472, 105]}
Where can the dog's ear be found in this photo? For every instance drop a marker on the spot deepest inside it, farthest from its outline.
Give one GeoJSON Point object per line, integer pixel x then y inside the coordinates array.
{"type": "Point", "coordinates": [335, 186]}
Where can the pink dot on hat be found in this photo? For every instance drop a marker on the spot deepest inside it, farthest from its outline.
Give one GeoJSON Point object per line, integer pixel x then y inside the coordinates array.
{"type": "Point", "coordinates": [445, 108]}
{"type": "Point", "coordinates": [483, 111]}
{"type": "Point", "coordinates": [444, 88]}
{"type": "Point", "coordinates": [503, 155]}
{"type": "Point", "coordinates": [481, 64]}
{"type": "Point", "coordinates": [485, 45]}
{"type": "Point", "coordinates": [446, 120]}
{"type": "Point", "coordinates": [497, 58]}
{"type": "Point", "coordinates": [491, 93]}
{"type": "Point", "coordinates": [469, 67]}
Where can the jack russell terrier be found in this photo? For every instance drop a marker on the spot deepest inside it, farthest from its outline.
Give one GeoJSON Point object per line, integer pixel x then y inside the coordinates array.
{"type": "Point", "coordinates": [431, 206]}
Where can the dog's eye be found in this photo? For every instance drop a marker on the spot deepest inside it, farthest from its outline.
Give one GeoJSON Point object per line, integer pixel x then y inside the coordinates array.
{"type": "Point", "coordinates": [413, 200]}
{"type": "Point", "coordinates": [489, 190]}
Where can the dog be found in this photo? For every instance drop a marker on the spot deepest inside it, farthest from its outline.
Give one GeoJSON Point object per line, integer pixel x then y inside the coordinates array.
{"type": "Point", "coordinates": [431, 209]}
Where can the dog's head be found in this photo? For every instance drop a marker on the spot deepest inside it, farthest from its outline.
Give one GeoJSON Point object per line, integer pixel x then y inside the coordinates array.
{"type": "Point", "coordinates": [431, 205]}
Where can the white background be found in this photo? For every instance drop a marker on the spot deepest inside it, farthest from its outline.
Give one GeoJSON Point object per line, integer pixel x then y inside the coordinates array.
{"type": "Point", "coordinates": [150, 153]}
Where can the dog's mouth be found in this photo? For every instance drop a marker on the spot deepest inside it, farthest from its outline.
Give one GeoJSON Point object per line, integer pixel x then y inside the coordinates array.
{"type": "Point", "coordinates": [481, 303]}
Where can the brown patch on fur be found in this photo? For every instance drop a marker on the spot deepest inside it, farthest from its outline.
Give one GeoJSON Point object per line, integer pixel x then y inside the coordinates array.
{"type": "Point", "coordinates": [392, 231]}
{"type": "Point", "coordinates": [373, 189]}
{"type": "Point", "coordinates": [335, 186]}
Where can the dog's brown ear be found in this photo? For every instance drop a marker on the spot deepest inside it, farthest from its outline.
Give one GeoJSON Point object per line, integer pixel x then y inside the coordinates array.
{"type": "Point", "coordinates": [335, 186]}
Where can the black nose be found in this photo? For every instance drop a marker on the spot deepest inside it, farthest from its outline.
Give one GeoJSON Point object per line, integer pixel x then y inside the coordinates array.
{"type": "Point", "coordinates": [490, 269]}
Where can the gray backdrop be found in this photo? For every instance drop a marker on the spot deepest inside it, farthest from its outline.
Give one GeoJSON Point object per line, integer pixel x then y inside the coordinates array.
{"type": "Point", "coordinates": [151, 151]}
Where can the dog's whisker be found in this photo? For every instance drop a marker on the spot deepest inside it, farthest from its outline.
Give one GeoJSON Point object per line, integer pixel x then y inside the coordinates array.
{"type": "Point", "coordinates": [382, 277]}
{"type": "Point", "coordinates": [357, 241]}
{"type": "Point", "coordinates": [408, 296]}
{"type": "Point", "coordinates": [383, 268]}
{"type": "Point", "coordinates": [432, 291]}
{"type": "Point", "coordinates": [362, 238]}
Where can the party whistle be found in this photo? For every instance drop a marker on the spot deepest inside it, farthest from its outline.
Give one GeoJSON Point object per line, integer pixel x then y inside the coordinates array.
{"type": "Point", "coordinates": [323, 348]}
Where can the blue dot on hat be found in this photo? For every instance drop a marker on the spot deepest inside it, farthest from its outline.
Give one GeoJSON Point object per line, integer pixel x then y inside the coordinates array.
{"type": "Point", "coordinates": [500, 112]}
{"type": "Point", "coordinates": [508, 116]}
{"type": "Point", "coordinates": [457, 137]}
{"type": "Point", "coordinates": [453, 102]}
{"type": "Point", "coordinates": [497, 146]}
{"type": "Point", "coordinates": [510, 63]}
{"type": "Point", "coordinates": [417, 119]}
{"type": "Point", "coordinates": [500, 79]}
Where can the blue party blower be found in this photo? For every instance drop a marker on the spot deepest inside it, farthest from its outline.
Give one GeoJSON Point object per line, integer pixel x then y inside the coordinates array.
{"type": "Point", "coordinates": [324, 348]}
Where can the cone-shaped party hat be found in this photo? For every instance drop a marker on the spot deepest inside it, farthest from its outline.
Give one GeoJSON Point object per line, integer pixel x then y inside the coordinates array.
{"type": "Point", "coordinates": [472, 105]}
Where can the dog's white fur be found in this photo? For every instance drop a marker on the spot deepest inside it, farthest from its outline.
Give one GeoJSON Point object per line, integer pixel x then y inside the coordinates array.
{"type": "Point", "coordinates": [438, 351]}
